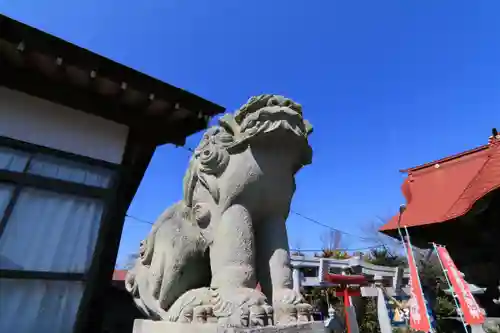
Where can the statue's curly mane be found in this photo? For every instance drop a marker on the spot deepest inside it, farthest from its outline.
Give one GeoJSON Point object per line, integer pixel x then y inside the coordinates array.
{"type": "Point", "coordinates": [209, 158]}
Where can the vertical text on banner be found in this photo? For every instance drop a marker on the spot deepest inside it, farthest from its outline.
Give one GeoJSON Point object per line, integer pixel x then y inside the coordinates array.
{"type": "Point", "coordinates": [418, 311]}
{"type": "Point", "coordinates": [472, 312]}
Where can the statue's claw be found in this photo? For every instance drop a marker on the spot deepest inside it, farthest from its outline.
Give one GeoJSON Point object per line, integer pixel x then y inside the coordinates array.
{"type": "Point", "coordinates": [270, 314]}
{"type": "Point", "coordinates": [199, 315]}
{"type": "Point", "coordinates": [245, 316]}
{"type": "Point", "coordinates": [186, 315]}
{"type": "Point", "coordinates": [203, 314]}
{"type": "Point", "coordinates": [290, 308]}
{"type": "Point", "coordinates": [304, 312]}
{"type": "Point", "coordinates": [210, 315]}
{"type": "Point", "coordinates": [258, 316]}
{"type": "Point", "coordinates": [285, 314]}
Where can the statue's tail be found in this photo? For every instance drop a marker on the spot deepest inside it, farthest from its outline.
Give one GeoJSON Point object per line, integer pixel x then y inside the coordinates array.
{"type": "Point", "coordinates": [136, 283]}
{"type": "Point", "coordinates": [151, 280]}
{"type": "Point", "coordinates": [131, 282]}
{"type": "Point", "coordinates": [136, 276]}
{"type": "Point", "coordinates": [139, 273]}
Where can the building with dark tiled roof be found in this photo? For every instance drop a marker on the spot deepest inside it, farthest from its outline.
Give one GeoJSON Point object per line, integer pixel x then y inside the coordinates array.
{"type": "Point", "coordinates": [77, 132]}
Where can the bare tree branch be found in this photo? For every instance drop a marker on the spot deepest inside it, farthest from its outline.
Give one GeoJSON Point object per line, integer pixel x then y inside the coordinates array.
{"type": "Point", "coordinates": [374, 237]}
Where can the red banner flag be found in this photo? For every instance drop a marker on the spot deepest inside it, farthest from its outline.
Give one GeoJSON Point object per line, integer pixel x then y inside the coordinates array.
{"type": "Point", "coordinates": [418, 311]}
{"type": "Point", "coordinates": [472, 312]}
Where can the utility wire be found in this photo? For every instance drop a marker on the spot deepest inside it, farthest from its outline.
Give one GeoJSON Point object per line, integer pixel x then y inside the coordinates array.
{"type": "Point", "coordinates": [292, 211]}
{"type": "Point", "coordinates": [292, 250]}
{"type": "Point", "coordinates": [326, 225]}
{"type": "Point", "coordinates": [307, 218]}
{"type": "Point", "coordinates": [138, 219]}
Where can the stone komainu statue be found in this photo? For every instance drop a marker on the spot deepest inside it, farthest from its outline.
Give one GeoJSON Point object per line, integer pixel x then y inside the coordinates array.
{"type": "Point", "coordinates": [204, 255]}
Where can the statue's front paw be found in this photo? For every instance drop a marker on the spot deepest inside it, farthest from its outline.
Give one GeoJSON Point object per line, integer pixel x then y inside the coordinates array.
{"type": "Point", "coordinates": [235, 307]}
{"type": "Point", "coordinates": [242, 307]}
{"type": "Point", "coordinates": [261, 315]}
{"type": "Point", "coordinates": [290, 307]}
{"type": "Point", "coordinates": [194, 305]}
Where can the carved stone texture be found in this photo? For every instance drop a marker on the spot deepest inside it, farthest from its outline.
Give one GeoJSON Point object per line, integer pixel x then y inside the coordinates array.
{"type": "Point", "coordinates": [204, 255]}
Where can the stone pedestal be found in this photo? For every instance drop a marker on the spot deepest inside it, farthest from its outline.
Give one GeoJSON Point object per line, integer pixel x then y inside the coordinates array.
{"type": "Point", "coordinates": [149, 326]}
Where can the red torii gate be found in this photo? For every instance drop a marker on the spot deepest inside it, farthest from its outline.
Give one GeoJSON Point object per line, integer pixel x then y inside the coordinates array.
{"type": "Point", "coordinates": [345, 290]}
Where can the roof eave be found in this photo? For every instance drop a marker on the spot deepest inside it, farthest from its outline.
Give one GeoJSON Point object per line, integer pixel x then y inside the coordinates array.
{"type": "Point", "coordinates": [35, 62]}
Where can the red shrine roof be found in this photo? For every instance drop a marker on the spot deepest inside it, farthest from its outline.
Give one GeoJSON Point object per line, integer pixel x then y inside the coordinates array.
{"type": "Point", "coordinates": [445, 189]}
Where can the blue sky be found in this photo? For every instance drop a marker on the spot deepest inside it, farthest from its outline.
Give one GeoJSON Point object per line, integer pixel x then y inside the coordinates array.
{"type": "Point", "coordinates": [386, 84]}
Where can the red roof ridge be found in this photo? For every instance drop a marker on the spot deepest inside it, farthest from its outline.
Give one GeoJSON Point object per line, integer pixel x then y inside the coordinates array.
{"type": "Point", "coordinates": [446, 159]}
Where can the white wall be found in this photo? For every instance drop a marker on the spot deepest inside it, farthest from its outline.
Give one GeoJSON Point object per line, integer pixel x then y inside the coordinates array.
{"type": "Point", "coordinates": [30, 119]}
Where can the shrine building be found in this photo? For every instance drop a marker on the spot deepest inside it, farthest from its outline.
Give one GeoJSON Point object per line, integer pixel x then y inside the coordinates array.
{"type": "Point", "coordinates": [77, 132]}
{"type": "Point", "coordinates": [455, 201]}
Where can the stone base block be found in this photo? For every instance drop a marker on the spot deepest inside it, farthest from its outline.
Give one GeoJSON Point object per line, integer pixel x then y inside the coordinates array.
{"type": "Point", "coordinates": [149, 326]}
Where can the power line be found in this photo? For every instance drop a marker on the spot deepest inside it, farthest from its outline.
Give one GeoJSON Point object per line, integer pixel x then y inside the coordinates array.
{"type": "Point", "coordinates": [326, 225]}
{"type": "Point", "coordinates": [292, 211]}
{"type": "Point", "coordinates": [307, 217]}
{"type": "Point", "coordinates": [292, 250]}
{"type": "Point", "coordinates": [138, 219]}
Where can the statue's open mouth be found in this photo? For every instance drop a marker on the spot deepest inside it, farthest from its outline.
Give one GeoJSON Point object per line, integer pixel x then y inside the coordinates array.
{"type": "Point", "coordinates": [264, 114]}
{"type": "Point", "coordinates": [267, 114]}
{"type": "Point", "coordinates": [271, 118]}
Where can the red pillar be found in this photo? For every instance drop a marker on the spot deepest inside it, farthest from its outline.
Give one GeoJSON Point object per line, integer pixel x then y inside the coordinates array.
{"type": "Point", "coordinates": [347, 304]}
